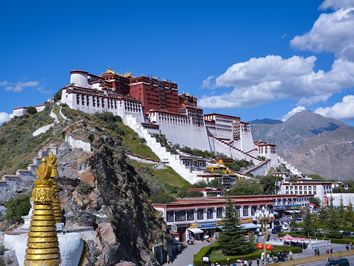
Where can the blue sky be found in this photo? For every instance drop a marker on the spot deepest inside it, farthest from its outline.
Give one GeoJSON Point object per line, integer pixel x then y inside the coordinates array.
{"type": "Point", "coordinates": [254, 59]}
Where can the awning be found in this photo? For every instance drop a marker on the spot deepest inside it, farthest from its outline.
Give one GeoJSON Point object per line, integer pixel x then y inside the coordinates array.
{"type": "Point", "coordinates": [195, 230]}
{"type": "Point", "coordinates": [249, 226]}
{"type": "Point", "coordinates": [208, 227]}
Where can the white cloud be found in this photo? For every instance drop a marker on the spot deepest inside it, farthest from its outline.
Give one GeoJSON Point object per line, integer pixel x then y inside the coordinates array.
{"type": "Point", "coordinates": [337, 4]}
{"type": "Point", "coordinates": [343, 110]}
{"type": "Point", "coordinates": [292, 112]}
{"type": "Point", "coordinates": [263, 80]}
{"type": "Point", "coordinates": [4, 117]}
{"type": "Point", "coordinates": [332, 32]}
{"type": "Point", "coordinates": [3, 83]}
{"type": "Point", "coordinates": [207, 82]}
{"type": "Point", "coordinates": [19, 86]}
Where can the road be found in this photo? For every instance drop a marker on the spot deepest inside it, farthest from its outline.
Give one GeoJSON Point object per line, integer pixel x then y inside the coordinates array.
{"type": "Point", "coordinates": [185, 258]}
{"type": "Point", "coordinates": [323, 262]}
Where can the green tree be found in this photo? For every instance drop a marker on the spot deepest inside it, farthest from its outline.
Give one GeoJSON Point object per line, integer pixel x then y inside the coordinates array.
{"type": "Point", "coordinates": [349, 215]}
{"type": "Point", "coordinates": [57, 96]}
{"type": "Point", "coordinates": [293, 224]}
{"type": "Point", "coordinates": [215, 183]}
{"type": "Point", "coordinates": [308, 223]}
{"type": "Point", "coordinates": [246, 187]}
{"type": "Point", "coordinates": [316, 201]}
{"type": "Point", "coordinates": [162, 197]}
{"type": "Point", "coordinates": [318, 177]}
{"type": "Point", "coordinates": [18, 206]}
{"type": "Point", "coordinates": [233, 240]}
{"type": "Point", "coordinates": [341, 213]}
{"type": "Point", "coordinates": [270, 184]}
{"type": "Point", "coordinates": [333, 222]}
{"type": "Point", "coordinates": [31, 110]}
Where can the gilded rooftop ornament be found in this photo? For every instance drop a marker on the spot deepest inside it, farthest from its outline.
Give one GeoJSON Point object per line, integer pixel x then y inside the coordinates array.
{"type": "Point", "coordinates": [42, 242]}
{"type": "Point", "coordinates": [54, 175]}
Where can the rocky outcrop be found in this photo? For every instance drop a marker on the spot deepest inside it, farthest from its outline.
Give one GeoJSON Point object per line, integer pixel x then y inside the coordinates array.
{"type": "Point", "coordinates": [116, 205]}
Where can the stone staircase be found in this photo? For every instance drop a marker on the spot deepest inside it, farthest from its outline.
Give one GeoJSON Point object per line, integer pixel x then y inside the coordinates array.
{"type": "Point", "coordinates": [161, 152]}
{"type": "Point", "coordinates": [22, 181]}
{"type": "Point", "coordinates": [291, 168]}
{"type": "Point", "coordinates": [237, 153]}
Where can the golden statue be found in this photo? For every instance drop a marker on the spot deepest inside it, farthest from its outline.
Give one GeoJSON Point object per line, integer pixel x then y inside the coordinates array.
{"type": "Point", "coordinates": [54, 175]}
{"type": "Point", "coordinates": [42, 242]}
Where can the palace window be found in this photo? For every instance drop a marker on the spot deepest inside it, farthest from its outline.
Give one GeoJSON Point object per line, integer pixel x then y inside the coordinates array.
{"type": "Point", "coordinates": [190, 215]}
{"type": "Point", "coordinates": [180, 216]}
{"type": "Point", "coordinates": [102, 103]}
{"type": "Point", "coordinates": [88, 101]}
{"type": "Point", "coordinates": [93, 101]}
{"type": "Point", "coordinates": [169, 216]}
{"type": "Point", "coordinates": [98, 102]}
{"type": "Point", "coordinates": [245, 211]}
{"type": "Point", "coordinates": [219, 212]}
{"type": "Point", "coordinates": [200, 214]}
{"type": "Point", "coordinates": [253, 210]}
{"type": "Point", "coordinates": [210, 213]}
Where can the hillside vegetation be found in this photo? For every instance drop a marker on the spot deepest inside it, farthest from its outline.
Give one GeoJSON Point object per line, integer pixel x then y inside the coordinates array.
{"type": "Point", "coordinates": [17, 145]}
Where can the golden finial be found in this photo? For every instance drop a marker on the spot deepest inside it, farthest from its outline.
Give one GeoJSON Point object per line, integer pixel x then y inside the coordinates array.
{"type": "Point", "coordinates": [42, 241]}
{"type": "Point", "coordinates": [109, 71]}
{"type": "Point", "coordinates": [54, 174]}
{"type": "Point", "coordinates": [51, 162]}
{"type": "Point", "coordinates": [43, 171]}
{"type": "Point", "coordinates": [51, 158]}
{"type": "Point", "coordinates": [128, 75]}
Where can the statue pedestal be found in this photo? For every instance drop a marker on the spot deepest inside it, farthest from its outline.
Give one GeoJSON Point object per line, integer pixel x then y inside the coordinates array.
{"type": "Point", "coordinates": [71, 246]}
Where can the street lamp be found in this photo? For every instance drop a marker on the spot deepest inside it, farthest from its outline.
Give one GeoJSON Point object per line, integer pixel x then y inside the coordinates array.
{"type": "Point", "coordinates": [263, 217]}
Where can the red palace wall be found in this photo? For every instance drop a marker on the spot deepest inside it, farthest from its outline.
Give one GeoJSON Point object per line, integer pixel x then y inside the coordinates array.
{"type": "Point", "coordinates": [156, 97]}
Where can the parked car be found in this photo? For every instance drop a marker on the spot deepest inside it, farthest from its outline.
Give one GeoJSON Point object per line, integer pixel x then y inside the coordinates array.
{"type": "Point", "coordinates": [299, 220]}
{"type": "Point", "coordinates": [338, 261]}
{"type": "Point", "coordinates": [347, 233]}
{"type": "Point", "coordinates": [277, 229]}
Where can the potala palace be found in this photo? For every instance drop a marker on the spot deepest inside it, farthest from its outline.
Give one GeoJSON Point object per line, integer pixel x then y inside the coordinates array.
{"type": "Point", "coordinates": [153, 106]}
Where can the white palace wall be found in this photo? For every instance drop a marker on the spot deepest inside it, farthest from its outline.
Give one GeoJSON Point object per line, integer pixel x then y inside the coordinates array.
{"type": "Point", "coordinates": [121, 107]}
{"type": "Point", "coordinates": [179, 129]}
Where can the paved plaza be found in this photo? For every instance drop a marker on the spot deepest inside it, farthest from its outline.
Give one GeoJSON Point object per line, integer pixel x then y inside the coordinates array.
{"type": "Point", "coordinates": [185, 258]}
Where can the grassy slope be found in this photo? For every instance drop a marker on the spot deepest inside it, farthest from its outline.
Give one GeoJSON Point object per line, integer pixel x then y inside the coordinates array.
{"type": "Point", "coordinates": [17, 145]}
{"type": "Point", "coordinates": [132, 141]}
{"type": "Point", "coordinates": [166, 176]}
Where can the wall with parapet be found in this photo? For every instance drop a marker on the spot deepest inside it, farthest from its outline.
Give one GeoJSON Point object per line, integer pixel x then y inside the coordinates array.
{"type": "Point", "coordinates": [79, 144]}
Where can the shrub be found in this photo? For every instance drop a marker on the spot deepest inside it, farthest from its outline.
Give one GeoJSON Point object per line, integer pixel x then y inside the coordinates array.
{"type": "Point", "coordinates": [57, 96]}
{"type": "Point", "coordinates": [2, 250]}
{"type": "Point", "coordinates": [205, 251]}
{"type": "Point", "coordinates": [31, 110]}
{"type": "Point", "coordinates": [162, 197]}
{"type": "Point", "coordinates": [84, 188]}
{"type": "Point", "coordinates": [18, 206]}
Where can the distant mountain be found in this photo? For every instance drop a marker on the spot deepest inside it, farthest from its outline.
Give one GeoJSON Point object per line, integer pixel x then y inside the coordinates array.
{"type": "Point", "coordinates": [312, 143]}
{"type": "Point", "coordinates": [266, 121]}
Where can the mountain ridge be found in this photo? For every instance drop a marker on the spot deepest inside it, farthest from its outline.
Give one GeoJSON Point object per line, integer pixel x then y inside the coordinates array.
{"type": "Point", "coordinates": [312, 143]}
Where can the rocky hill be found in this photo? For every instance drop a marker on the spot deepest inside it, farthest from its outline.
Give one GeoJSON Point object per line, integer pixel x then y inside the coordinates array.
{"type": "Point", "coordinates": [99, 188]}
{"type": "Point", "coordinates": [313, 144]}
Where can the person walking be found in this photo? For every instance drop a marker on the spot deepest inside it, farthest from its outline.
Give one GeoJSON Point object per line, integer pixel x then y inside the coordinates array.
{"type": "Point", "coordinates": [347, 247]}
{"type": "Point", "coordinates": [291, 255]}
{"type": "Point", "coordinates": [249, 262]}
{"type": "Point", "coordinates": [258, 261]}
